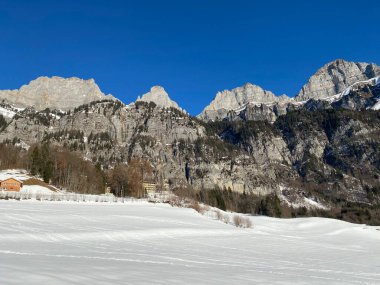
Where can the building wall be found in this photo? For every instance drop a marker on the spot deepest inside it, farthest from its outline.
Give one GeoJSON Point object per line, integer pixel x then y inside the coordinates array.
{"type": "Point", "coordinates": [149, 187]}
{"type": "Point", "coordinates": [10, 185]}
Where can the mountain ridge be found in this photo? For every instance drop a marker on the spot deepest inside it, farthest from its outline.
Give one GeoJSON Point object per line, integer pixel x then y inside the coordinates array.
{"type": "Point", "coordinates": [67, 93]}
{"type": "Point", "coordinates": [331, 79]}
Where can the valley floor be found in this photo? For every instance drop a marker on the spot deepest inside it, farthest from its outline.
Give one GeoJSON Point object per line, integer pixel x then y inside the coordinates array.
{"type": "Point", "coordinates": [142, 243]}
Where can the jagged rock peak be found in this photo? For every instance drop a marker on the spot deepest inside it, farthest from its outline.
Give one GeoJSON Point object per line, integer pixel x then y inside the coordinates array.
{"type": "Point", "coordinates": [334, 77]}
{"type": "Point", "coordinates": [55, 93]}
{"type": "Point", "coordinates": [240, 96]}
{"type": "Point", "coordinates": [160, 97]}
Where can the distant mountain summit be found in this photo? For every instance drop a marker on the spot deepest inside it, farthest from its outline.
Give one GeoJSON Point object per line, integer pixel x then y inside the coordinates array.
{"type": "Point", "coordinates": [55, 93]}
{"type": "Point", "coordinates": [158, 95]}
{"type": "Point", "coordinates": [334, 77]}
{"type": "Point", "coordinates": [239, 97]}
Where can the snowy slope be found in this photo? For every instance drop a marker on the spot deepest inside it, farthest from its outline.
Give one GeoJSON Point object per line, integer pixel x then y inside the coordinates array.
{"type": "Point", "coordinates": [19, 174]}
{"type": "Point", "coordinates": [141, 243]}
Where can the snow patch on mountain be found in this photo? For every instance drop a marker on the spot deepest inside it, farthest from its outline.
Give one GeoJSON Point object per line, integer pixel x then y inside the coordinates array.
{"type": "Point", "coordinates": [376, 106]}
{"type": "Point", "coordinates": [7, 113]}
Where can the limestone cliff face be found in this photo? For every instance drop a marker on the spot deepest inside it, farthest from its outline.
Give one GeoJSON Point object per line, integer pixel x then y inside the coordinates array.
{"type": "Point", "coordinates": [54, 93]}
{"type": "Point", "coordinates": [107, 132]}
{"type": "Point", "coordinates": [246, 156]}
{"type": "Point", "coordinates": [239, 97]}
{"type": "Point", "coordinates": [335, 77]}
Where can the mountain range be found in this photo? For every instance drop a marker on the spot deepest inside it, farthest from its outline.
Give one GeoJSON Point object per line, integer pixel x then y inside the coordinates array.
{"type": "Point", "coordinates": [68, 93]}
{"type": "Point", "coordinates": [313, 150]}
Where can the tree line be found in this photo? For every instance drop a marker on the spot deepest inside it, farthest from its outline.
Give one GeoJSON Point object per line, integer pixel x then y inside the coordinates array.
{"type": "Point", "coordinates": [67, 169]}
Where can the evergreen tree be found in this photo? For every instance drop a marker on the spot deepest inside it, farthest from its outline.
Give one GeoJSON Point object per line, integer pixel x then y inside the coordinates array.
{"type": "Point", "coordinates": [46, 163]}
{"type": "Point", "coordinates": [35, 161]}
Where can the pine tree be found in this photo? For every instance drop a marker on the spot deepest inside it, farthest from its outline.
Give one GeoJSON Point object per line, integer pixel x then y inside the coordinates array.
{"type": "Point", "coordinates": [46, 165]}
{"type": "Point", "coordinates": [35, 161]}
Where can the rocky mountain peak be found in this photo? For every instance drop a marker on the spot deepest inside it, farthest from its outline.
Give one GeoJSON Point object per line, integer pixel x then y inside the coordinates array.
{"type": "Point", "coordinates": [240, 96]}
{"type": "Point", "coordinates": [55, 93]}
{"type": "Point", "coordinates": [159, 96]}
{"type": "Point", "coordinates": [334, 77]}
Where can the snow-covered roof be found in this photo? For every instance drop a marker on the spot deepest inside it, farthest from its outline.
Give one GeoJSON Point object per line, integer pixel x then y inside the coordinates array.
{"type": "Point", "coordinates": [9, 178]}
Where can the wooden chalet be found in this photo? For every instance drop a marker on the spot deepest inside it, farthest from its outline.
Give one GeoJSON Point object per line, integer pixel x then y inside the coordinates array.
{"type": "Point", "coordinates": [11, 184]}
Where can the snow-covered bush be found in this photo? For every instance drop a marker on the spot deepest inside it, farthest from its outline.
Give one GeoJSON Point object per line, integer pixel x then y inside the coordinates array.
{"type": "Point", "coordinates": [242, 222]}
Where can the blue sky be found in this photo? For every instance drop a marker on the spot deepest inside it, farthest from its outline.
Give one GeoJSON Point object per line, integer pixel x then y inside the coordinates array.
{"type": "Point", "coordinates": [192, 48]}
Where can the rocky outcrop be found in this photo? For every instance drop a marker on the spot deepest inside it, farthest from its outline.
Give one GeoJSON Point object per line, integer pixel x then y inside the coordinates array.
{"type": "Point", "coordinates": [335, 77]}
{"type": "Point", "coordinates": [158, 95]}
{"type": "Point", "coordinates": [228, 100]}
{"type": "Point", "coordinates": [259, 112]}
{"type": "Point", "coordinates": [54, 93]}
{"type": "Point", "coordinates": [334, 149]}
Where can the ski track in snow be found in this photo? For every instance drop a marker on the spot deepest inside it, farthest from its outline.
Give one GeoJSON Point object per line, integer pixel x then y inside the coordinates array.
{"type": "Point", "coordinates": [142, 243]}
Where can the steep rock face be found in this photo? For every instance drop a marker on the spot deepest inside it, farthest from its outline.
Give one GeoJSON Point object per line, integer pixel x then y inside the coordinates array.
{"type": "Point", "coordinates": [158, 95]}
{"type": "Point", "coordinates": [233, 99]}
{"type": "Point", "coordinates": [260, 140]}
{"type": "Point", "coordinates": [337, 150]}
{"type": "Point", "coordinates": [259, 112]}
{"type": "Point", "coordinates": [335, 77]}
{"type": "Point", "coordinates": [55, 93]}
{"type": "Point", "coordinates": [177, 145]}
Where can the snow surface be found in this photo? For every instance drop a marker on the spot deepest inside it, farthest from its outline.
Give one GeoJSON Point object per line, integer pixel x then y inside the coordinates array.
{"type": "Point", "coordinates": [314, 204]}
{"type": "Point", "coordinates": [35, 189]}
{"type": "Point", "coordinates": [7, 113]}
{"type": "Point", "coordinates": [300, 201]}
{"type": "Point", "coordinates": [19, 174]}
{"type": "Point", "coordinates": [376, 106]}
{"type": "Point", "coordinates": [142, 243]}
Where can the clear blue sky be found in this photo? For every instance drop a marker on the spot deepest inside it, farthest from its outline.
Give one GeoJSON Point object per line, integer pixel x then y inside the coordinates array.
{"type": "Point", "coordinates": [192, 48]}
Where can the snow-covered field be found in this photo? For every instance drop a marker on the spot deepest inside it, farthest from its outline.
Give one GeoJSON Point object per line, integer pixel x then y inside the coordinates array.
{"type": "Point", "coordinates": [142, 243]}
